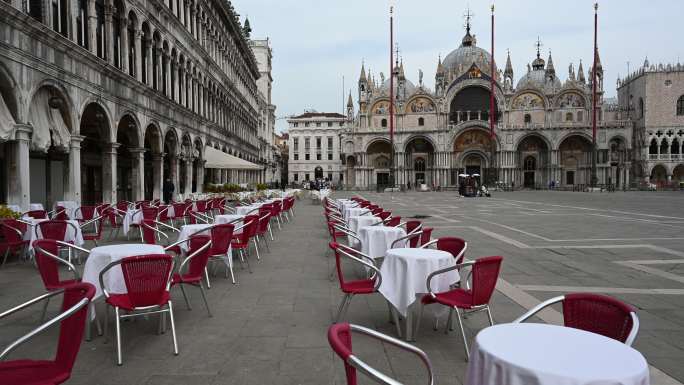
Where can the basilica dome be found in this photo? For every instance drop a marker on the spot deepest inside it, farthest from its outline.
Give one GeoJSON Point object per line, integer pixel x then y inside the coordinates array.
{"type": "Point", "coordinates": [462, 58]}
{"type": "Point", "coordinates": [408, 86]}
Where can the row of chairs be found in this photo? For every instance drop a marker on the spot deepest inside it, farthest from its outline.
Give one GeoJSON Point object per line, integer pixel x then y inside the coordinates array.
{"type": "Point", "coordinates": [592, 312]}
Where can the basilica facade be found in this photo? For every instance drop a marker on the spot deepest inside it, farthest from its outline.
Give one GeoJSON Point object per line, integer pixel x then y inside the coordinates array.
{"type": "Point", "coordinates": [543, 126]}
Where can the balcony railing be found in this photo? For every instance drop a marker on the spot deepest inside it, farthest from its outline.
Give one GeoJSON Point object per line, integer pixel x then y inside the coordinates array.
{"type": "Point", "coordinates": [666, 157]}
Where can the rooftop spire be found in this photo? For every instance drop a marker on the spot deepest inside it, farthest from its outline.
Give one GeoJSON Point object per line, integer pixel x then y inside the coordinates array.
{"type": "Point", "coordinates": [509, 67]}
{"type": "Point", "coordinates": [580, 74]}
{"type": "Point", "coordinates": [440, 66]}
{"type": "Point", "coordinates": [363, 78]}
{"type": "Point", "coordinates": [350, 102]}
{"type": "Point", "coordinates": [550, 69]}
{"type": "Point", "coordinates": [538, 45]}
{"type": "Point", "coordinates": [468, 39]}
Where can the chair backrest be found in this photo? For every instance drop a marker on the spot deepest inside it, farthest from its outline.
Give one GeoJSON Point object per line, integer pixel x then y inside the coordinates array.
{"type": "Point", "coordinates": [87, 212]}
{"type": "Point", "coordinates": [394, 221]}
{"type": "Point", "coordinates": [61, 214]}
{"type": "Point", "coordinates": [54, 229]}
{"type": "Point", "coordinates": [339, 337]}
{"type": "Point", "coordinates": [264, 220]}
{"type": "Point", "coordinates": [72, 328]}
{"type": "Point", "coordinates": [48, 267]}
{"type": "Point", "coordinates": [37, 214]}
{"type": "Point", "coordinates": [122, 206]}
{"type": "Point", "coordinates": [147, 278]}
{"type": "Point", "coordinates": [383, 215]}
{"type": "Point", "coordinates": [412, 225]}
{"type": "Point", "coordinates": [453, 245]}
{"type": "Point", "coordinates": [149, 236]}
{"type": "Point", "coordinates": [485, 274]}
{"type": "Point", "coordinates": [164, 213]}
{"type": "Point", "coordinates": [250, 230]}
{"type": "Point", "coordinates": [150, 212]}
{"type": "Point", "coordinates": [178, 210]}
{"type": "Point", "coordinates": [201, 206]}
{"type": "Point", "coordinates": [198, 263]}
{"type": "Point", "coordinates": [427, 234]}
{"type": "Point", "coordinates": [598, 314]}
{"type": "Point", "coordinates": [221, 235]}
{"type": "Point", "coordinates": [9, 227]}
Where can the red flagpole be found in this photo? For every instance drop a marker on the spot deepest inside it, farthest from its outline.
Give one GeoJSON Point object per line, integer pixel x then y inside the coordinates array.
{"type": "Point", "coordinates": [492, 110]}
{"type": "Point", "coordinates": [594, 154]}
{"type": "Point", "coordinates": [391, 96]}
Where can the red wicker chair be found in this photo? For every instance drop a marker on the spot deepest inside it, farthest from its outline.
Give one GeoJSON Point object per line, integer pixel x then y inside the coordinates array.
{"type": "Point", "coordinates": [13, 233]}
{"type": "Point", "coordinates": [352, 288]}
{"type": "Point", "coordinates": [196, 263]}
{"type": "Point", "coordinates": [456, 246]}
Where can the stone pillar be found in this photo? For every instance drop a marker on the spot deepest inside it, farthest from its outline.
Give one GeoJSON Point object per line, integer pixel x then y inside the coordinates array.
{"type": "Point", "coordinates": [167, 69]}
{"type": "Point", "coordinates": [200, 98]}
{"type": "Point", "coordinates": [18, 170]}
{"type": "Point", "coordinates": [92, 27]}
{"type": "Point", "coordinates": [138, 55]}
{"type": "Point", "coordinates": [123, 49]}
{"type": "Point", "coordinates": [175, 174]}
{"type": "Point", "coordinates": [109, 34]}
{"type": "Point", "coordinates": [159, 74]}
{"type": "Point", "coordinates": [200, 176]}
{"type": "Point", "coordinates": [73, 192]}
{"type": "Point", "coordinates": [176, 91]}
{"type": "Point", "coordinates": [148, 62]}
{"type": "Point", "coordinates": [157, 177]}
{"type": "Point", "coordinates": [109, 173]}
{"type": "Point", "coordinates": [180, 78]}
{"type": "Point", "coordinates": [138, 160]}
{"type": "Point", "coordinates": [187, 15]}
{"type": "Point", "coordinates": [188, 80]}
{"type": "Point", "coordinates": [188, 175]}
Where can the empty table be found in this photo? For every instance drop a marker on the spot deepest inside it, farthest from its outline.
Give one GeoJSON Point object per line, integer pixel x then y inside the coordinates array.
{"type": "Point", "coordinates": [376, 240]}
{"type": "Point", "coordinates": [235, 219]}
{"type": "Point", "coordinates": [69, 207]}
{"type": "Point", "coordinates": [357, 222]}
{"type": "Point", "coordinates": [404, 276]}
{"type": "Point", "coordinates": [540, 354]}
{"type": "Point", "coordinates": [188, 230]}
{"type": "Point", "coordinates": [73, 232]}
{"type": "Point", "coordinates": [131, 217]}
{"type": "Point", "coordinates": [36, 206]}
{"type": "Point", "coordinates": [247, 210]}
{"type": "Point", "coordinates": [354, 212]}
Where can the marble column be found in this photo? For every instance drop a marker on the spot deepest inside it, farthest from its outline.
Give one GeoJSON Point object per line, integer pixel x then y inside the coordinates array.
{"type": "Point", "coordinates": [92, 27]}
{"type": "Point", "coordinates": [123, 49]}
{"type": "Point", "coordinates": [159, 74]}
{"type": "Point", "coordinates": [109, 173]}
{"type": "Point", "coordinates": [73, 192]}
{"type": "Point", "coordinates": [138, 55]}
{"type": "Point", "coordinates": [148, 62]}
{"type": "Point", "coordinates": [176, 91]}
{"type": "Point", "coordinates": [138, 176]}
{"type": "Point", "coordinates": [200, 176]}
{"type": "Point", "coordinates": [109, 34]}
{"type": "Point", "coordinates": [167, 69]}
{"type": "Point", "coordinates": [175, 173]}
{"type": "Point", "coordinates": [188, 175]}
{"type": "Point", "coordinates": [157, 177]}
{"type": "Point", "coordinates": [18, 170]}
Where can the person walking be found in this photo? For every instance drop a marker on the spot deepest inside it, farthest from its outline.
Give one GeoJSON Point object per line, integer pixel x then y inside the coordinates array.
{"type": "Point", "coordinates": [168, 190]}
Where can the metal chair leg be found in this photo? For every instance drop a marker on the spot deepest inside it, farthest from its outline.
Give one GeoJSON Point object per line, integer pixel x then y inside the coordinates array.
{"type": "Point", "coordinates": [185, 296]}
{"type": "Point", "coordinates": [256, 247]}
{"type": "Point", "coordinates": [45, 306]}
{"type": "Point", "coordinates": [489, 315]}
{"type": "Point", "coordinates": [270, 231]}
{"type": "Point", "coordinates": [449, 321]}
{"type": "Point", "coordinates": [118, 337]}
{"type": "Point", "coordinates": [460, 325]}
{"type": "Point", "coordinates": [249, 267]}
{"type": "Point", "coordinates": [206, 276]}
{"type": "Point", "coordinates": [204, 297]}
{"type": "Point", "coordinates": [341, 308]}
{"type": "Point", "coordinates": [173, 329]}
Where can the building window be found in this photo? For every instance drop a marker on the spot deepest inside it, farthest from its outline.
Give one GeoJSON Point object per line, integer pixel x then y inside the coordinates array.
{"type": "Point", "coordinates": [421, 121]}
{"type": "Point", "coordinates": [306, 124]}
{"type": "Point", "coordinates": [568, 117]}
{"type": "Point", "coordinates": [528, 118]}
{"type": "Point", "coordinates": [318, 124]}
{"type": "Point", "coordinates": [306, 176]}
{"type": "Point", "coordinates": [296, 177]}
{"type": "Point", "coordinates": [307, 144]}
{"type": "Point", "coordinates": [306, 156]}
{"type": "Point", "coordinates": [641, 108]}
{"type": "Point", "coordinates": [341, 177]}
{"type": "Point", "coordinates": [341, 124]}
{"type": "Point", "coordinates": [318, 143]}
{"type": "Point", "coordinates": [296, 156]}
{"type": "Point", "coordinates": [330, 156]}
{"type": "Point", "coordinates": [295, 124]}
{"type": "Point", "coordinates": [318, 156]}
{"type": "Point", "coordinates": [330, 124]}
{"type": "Point", "coordinates": [680, 106]}
{"type": "Point", "coordinates": [330, 177]}
{"type": "Point", "coordinates": [383, 123]}
{"type": "Point", "coordinates": [580, 116]}
{"type": "Point", "coordinates": [330, 144]}
{"type": "Point", "coordinates": [295, 144]}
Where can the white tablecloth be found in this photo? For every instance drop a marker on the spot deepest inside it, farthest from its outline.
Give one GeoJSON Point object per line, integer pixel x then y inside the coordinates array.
{"type": "Point", "coordinates": [540, 354]}
{"type": "Point", "coordinates": [245, 210]}
{"type": "Point", "coordinates": [102, 256]}
{"type": "Point", "coordinates": [228, 218]}
{"type": "Point", "coordinates": [131, 217]}
{"type": "Point", "coordinates": [357, 222]}
{"type": "Point", "coordinates": [69, 236]}
{"type": "Point", "coordinates": [354, 212]}
{"type": "Point", "coordinates": [36, 206]}
{"type": "Point", "coordinates": [319, 195]}
{"type": "Point", "coordinates": [69, 206]}
{"type": "Point", "coordinates": [376, 240]}
{"type": "Point", "coordinates": [405, 272]}
{"type": "Point", "coordinates": [15, 208]}
{"type": "Point", "coordinates": [188, 230]}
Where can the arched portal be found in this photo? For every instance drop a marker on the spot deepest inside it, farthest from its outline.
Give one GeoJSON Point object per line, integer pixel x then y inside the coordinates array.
{"type": "Point", "coordinates": [318, 172]}
{"type": "Point", "coordinates": [153, 162]}
{"type": "Point", "coordinates": [378, 155]}
{"type": "Point", "coordinates": [185, 165]}
{"type": "Point", "coordinates": [128, 159]}
{"type": "Point", "coordinates": [471, 103]}
{"type": "Point", "coordinates": [678, 174]}
{"type": "Point", "coordinates": [533, 155]}
{"type": "Point", "coordinates": [197, 166]}
{"type": "Point", "coordinates": [659, 175]}
{"type": "Point", "coordinates": [575, 160]}
{"type": "Point", "coordinates": [96, 178]}
{"type": "Point", "coordinates": [418, 161]}
{"type": "Point", "coordinates": [50, 118]}
{"type": "Point", "coordinates": [170, 167]}
{"type": "Point", "coordinates": [619, 172]}
{"type": "Point", "coordinates": [471, 145]}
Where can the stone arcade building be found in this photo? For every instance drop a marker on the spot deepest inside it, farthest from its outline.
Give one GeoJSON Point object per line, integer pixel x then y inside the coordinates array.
{"type": "Point", "coordinates": [543, 129]}
{"type": "Point", "coordinates": [101, 100]}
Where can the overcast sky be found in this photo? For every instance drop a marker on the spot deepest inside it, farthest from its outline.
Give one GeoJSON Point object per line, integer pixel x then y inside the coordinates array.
{"type": "Point", "coordinates": [317, 42]}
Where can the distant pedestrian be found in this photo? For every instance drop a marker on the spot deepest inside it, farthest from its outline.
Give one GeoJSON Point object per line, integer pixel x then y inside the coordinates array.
{"type": "Point", "coordinates": [168, 190]}
{"type": "Point", "coordinates": [408, 185]}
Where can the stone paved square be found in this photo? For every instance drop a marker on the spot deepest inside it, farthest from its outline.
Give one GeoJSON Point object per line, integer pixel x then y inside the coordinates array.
{"type": "Point", "coordinates": [271, 327]}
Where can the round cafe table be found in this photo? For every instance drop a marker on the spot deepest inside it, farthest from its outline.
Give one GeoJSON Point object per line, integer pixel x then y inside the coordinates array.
{"type": "Point", "coordinates": [357, 222]}
{"type": "Point", "coordinates": [376, 240]}
{"type": "Point", "coordinates": [102, 256]}
{"type": "Point", "coordinates": [187, 230]}
{"type": "Point", "coordinates": [236, 220]}
{"type": "Point", "coordinates": [71, 235]}
{"type": "Point", "coordinates": [541, 354]}
{"type": "Point", "coordinates": [247, 210]}
{"type": "Point", "coordinates": [354, 212]}
{"type": "Point", "coordinates": [404, 276]}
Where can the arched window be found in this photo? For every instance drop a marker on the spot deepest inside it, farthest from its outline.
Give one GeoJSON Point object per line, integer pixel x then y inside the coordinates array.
{"type": "Point", "coordinates": [680, 106]}
{"type": "Point", "coordinates": [568, 117]}
{"type": "Point", "coordinates": [419, 164]}
{"type": "Point", "coordinates": [383, 123]}
{"type": "Point", "coordinates": [641, 108]}
{"type": "Point", "coordinates": [528, 118]}
{"type": "Point", "coordinates": [580, 116]}
{"type": "Point", "coordinates": [421, 121]}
